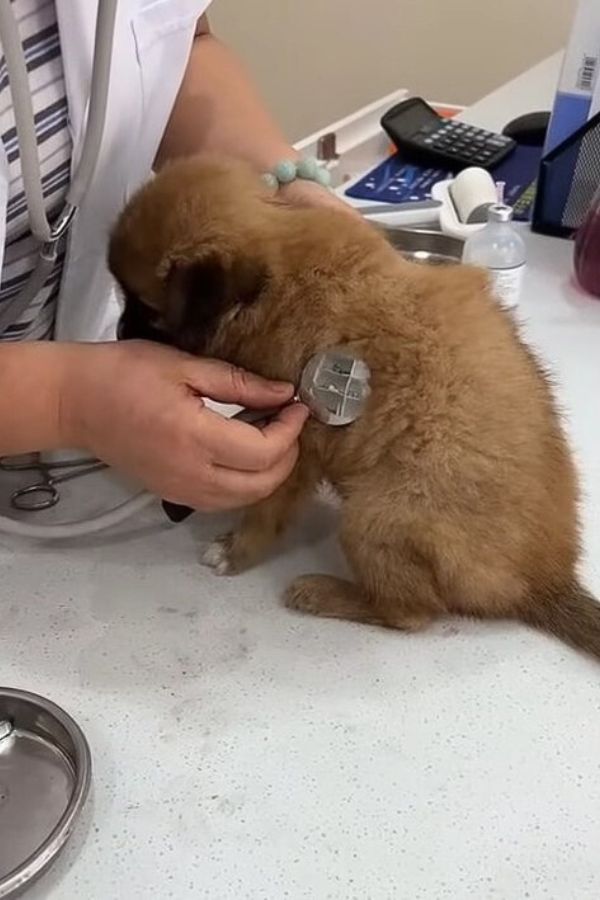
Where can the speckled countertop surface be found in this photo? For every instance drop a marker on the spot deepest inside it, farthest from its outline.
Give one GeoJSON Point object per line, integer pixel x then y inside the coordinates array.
{"type": "Point", "coordinates": [243, 752]}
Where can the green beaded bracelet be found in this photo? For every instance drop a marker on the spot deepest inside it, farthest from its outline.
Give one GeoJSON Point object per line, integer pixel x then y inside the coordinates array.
{"type": "Point", "coordinates": [289, 170]}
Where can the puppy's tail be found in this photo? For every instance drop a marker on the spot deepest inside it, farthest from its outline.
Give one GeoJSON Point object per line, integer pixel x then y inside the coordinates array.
{"type": "Point", "coordinates": [571, 614]}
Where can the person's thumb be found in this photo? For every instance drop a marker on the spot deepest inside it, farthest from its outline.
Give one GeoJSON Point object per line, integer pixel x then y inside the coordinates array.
{"type": "Point", "coordinates": [225, 383]}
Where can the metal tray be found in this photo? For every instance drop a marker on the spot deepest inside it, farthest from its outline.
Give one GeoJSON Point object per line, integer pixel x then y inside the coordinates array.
{"type": "Point", "coordinates": [45, 773]}
{"type": "Point", "coordinates": [427, 247]}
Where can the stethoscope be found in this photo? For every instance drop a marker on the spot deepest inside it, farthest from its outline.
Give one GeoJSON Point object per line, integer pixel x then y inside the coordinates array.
{"type": "Point", "coordinates": [334, 384]}
{"type": "Point", "coordinates": [50, 235]}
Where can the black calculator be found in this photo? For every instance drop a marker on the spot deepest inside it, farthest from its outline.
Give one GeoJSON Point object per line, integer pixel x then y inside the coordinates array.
{"type": "Point", "coordinates": [424, 137]}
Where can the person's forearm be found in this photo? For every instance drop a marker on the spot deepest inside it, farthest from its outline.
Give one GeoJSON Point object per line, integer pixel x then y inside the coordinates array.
{"type": "Point", "coordinates": [31, 375]}
{"type": "Point", "coordinates": [218, 110]}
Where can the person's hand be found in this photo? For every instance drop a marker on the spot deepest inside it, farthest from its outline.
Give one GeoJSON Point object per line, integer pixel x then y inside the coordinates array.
{"type": "Point", "coordinates": [138, 407]}
{"type": "Point", "coordinates": [308, 193]}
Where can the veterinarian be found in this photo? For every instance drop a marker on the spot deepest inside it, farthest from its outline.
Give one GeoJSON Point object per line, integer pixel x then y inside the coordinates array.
{"type": "Point", "coordinates": [174, 90]}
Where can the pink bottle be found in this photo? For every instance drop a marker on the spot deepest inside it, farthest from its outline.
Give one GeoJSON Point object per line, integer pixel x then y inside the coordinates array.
{"type": "Point", "coordinates": [587, 250]}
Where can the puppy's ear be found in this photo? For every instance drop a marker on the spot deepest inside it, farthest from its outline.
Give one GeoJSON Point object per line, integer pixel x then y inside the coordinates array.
{"type": "Point", "coordinates": [201, 293]}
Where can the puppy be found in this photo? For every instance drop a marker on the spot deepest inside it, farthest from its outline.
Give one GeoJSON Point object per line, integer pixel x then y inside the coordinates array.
{"type": "Point", "coordinates": [457, 488]}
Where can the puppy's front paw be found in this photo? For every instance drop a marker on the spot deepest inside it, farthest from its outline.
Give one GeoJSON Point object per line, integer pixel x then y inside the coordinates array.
{"type": "Point", "coordinates": [217, 556]}
{"type": "Point", "coordinates": [232, 553]}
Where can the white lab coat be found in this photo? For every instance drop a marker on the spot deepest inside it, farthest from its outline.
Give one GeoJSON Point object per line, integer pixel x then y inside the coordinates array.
{"type": "Point", "coordinates": [151, 48]}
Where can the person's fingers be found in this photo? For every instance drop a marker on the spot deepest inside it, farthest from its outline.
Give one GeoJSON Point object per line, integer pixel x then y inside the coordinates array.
{"type": "Point", "coordinates": [232, 489]}
{"type": "Point", "coordinates": [285, 428]}
{"type": "Point", "coordinates": [232, 444]}
{"type": "Point", "coordinates": [230, 384]}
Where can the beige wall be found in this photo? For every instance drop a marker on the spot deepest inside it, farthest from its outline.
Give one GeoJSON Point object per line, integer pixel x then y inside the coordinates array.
{"type": "Point", "coordinates": [318, 60]}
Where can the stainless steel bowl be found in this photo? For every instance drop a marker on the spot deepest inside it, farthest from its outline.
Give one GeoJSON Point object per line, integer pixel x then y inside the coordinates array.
{"type": "Point", "coordinates": [426, 247]}
{"type": "Point", "coordinates": [45, 774]}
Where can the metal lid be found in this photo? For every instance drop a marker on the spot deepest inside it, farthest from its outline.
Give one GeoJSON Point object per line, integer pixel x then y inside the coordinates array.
{"type": "Point", "coordinates": [424, 245]}
{"type": "Point", "coordinates": [499, 212]}
{"type": "Point", "coordinates": [45, 773]}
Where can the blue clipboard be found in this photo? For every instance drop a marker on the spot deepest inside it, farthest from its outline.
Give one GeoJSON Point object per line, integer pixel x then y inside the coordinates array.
{"type": "Point", "coordinates": [395, 181]}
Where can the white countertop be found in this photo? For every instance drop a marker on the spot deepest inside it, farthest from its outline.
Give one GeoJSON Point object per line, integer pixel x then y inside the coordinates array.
{"type": "Point", "coordinates": [243, 752]}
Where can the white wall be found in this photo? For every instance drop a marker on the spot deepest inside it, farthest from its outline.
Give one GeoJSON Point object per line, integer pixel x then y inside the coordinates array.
{"type": "Point", "coordinates": [317, 60]}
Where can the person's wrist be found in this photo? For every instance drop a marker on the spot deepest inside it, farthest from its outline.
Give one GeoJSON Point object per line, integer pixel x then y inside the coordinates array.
{"type": "Point", "coordinates": [275, 155]}
{"type": "Point", "coordinates": [78, 363]}
{"type": "Point", "coordinates": [307, 193]}
{"type": "Point", "coordinates": [71, 366]}
{"type": "Point", "coordinates": [311, 194]}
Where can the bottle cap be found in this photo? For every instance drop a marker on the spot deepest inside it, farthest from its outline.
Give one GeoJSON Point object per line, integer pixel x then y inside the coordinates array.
{"type": "Point", "coordinates": [500, 212]}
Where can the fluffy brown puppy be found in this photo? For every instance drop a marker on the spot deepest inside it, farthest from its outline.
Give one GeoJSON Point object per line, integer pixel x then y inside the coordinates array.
{"type": "Point", "coordinates": [458, 491]}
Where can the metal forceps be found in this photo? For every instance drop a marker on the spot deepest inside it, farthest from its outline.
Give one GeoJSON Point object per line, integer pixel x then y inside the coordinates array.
{"type": "Point", "coordinates": [44, 494]}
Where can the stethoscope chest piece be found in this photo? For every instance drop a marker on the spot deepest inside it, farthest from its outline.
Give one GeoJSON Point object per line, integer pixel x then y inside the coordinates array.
{"type": "Point", "coordinates": [335, 386]}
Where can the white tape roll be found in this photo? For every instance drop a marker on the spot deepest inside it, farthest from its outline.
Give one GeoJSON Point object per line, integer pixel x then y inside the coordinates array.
{"type": "Point", "coordinates": [472, 192]}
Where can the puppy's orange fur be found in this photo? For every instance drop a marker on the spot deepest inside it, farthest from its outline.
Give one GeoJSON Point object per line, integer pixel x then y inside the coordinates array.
{"type": "Point", "coordinates": [457, 487]}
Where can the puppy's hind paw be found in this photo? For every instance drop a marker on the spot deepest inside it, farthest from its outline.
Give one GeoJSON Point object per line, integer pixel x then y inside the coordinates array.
{"type": "Point", "coordinates": [308, 594]}
{"type": "Point", "coordinates": [332, 598]}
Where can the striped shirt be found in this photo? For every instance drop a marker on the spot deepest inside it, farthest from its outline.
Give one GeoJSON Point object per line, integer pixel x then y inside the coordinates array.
{"type": "Point", "coordinates": [38, 29]}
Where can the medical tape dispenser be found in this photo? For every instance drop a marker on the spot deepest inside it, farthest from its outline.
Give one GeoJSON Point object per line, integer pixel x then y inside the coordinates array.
{"type": "Point", "coordinates": [466, 200]}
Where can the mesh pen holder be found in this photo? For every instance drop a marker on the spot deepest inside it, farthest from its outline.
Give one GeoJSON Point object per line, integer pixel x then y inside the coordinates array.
{"type": "Point", "coordinates": [568, 179]}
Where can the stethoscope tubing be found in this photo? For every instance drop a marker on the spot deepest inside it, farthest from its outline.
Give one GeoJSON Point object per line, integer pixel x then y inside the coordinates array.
{"type": "Point", "coordinates": [49, 236]}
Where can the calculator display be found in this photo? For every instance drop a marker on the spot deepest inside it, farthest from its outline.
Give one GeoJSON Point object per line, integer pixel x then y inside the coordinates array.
{"type": "Point", "coordinates": [412, 119]}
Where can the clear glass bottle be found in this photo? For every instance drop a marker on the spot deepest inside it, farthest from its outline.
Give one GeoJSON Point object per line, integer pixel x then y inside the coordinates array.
{"type": "Point", "coordinates": [587, 250]}
{"type": "Point", "coordinates": [500, 249]}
